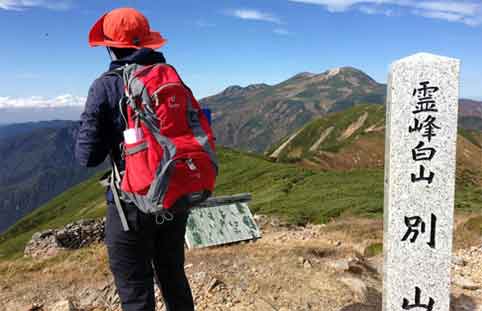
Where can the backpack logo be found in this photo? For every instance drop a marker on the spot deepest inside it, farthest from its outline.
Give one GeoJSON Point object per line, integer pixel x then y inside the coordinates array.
{"type": "Point", "coordinates": [172, 102]}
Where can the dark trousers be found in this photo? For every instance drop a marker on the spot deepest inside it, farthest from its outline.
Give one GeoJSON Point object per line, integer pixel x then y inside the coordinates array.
{"type": "Point", "coordinates": [148, 251]}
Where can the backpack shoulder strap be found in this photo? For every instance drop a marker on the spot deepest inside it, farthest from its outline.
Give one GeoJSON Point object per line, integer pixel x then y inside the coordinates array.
{"type": "Point", "coordinates": [114, 187]}
{"type": "Point", "coordinates": [113, 182]}
{"type": "Point", "coordinates": [119, 72]}
{"type": "Point", "coordinates": [114, 72]}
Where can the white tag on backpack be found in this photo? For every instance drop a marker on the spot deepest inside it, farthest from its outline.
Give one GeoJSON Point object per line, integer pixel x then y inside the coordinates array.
{"type": "Point", "coordinates": [132, 136]}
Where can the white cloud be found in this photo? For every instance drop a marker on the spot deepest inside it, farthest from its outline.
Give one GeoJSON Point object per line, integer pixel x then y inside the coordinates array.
{"type": "Point", "coordinates": [376, 10]}
{"type": "Point", "coordinates": [337, 5]}
{"type": "Point", "coordinates": [448, 16]}
{"type": "Point", "coordinates": [369, 10]}
{"type": "Point", "coordinates": [63, 101]}
{"type": "Point", "coordinates": [26, 4]}
{"type": "Point", "coordinates": [282, 32]}
{"type": "Point", "coordinates": [255, 15]}
{"type": "Point", "coordinates": [456, 7]}
{"type": "Point", "coordinates": [464, 11]}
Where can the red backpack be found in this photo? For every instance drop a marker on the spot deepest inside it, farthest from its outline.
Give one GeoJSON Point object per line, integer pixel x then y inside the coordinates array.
{"type": "Point", "coordinates": [172, 152]}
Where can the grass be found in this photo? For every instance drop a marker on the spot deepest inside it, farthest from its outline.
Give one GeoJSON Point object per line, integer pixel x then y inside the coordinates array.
{"type": "Point", "coordinates": [475, 225]}
{"type": "Point", "coordinates": [297, 194]}
{"type": "Point", "coordinates": [373, 249]}
{"type": "Point", "coordinates": [340, 122]}
{"type": "Point", "coordinates": [301, 195]}
{"type": "Point", "coordinates": [472, 136]}
{"type": "Point", "coordinates": [468, 198]}
{"type": "Point", "coordinates": [82, 201]}
{"type": "Point", "coordinates": [298, 148]}
{"type": "Point", "coordinates": [84, 267]}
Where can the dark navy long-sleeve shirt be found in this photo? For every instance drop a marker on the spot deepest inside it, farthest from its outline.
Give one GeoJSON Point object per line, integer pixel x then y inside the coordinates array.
{"type": "Point", "coordinates": [101, 123]}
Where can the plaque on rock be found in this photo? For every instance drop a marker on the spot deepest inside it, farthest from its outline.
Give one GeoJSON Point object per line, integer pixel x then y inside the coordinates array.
{"type": "Point", "coordinates": [221, 220]}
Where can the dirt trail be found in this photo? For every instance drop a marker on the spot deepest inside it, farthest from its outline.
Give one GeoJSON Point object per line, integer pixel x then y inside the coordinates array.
{"type": "Point", "coordinates": [323, 136]}
{"type": "Point", "coordinates": [318, 267]}
{"type": "Point", "coordinates": [277, 152]}
{"type": "Point", "coordinates": [355, 126]}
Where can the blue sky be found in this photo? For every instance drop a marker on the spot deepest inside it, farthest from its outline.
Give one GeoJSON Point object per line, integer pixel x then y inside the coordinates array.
{"type": "Point", "coordinates": [215, 44]}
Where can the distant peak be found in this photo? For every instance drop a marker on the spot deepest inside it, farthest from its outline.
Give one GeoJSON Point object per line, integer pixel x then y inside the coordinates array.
{"type": "Point", "coordinates": [338, 70]}
{"type": "Point", "coordinates": [303, 75]}
{"type": "Point", "coordinates": [346, 71]}
{"type": "Point", "coordinates": [231, 90]}
{"type": "Point", "coordinates": [332, 72]}
{"type": "Point", "coordinates": [236, 89]}
{"type": "Point", "coordinates": [256, 86]}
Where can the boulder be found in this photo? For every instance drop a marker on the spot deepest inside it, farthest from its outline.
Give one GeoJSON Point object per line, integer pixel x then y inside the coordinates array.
{"type": "Point", "coordinates": [73, 236]}
{"type": "Point", "coordinates": [357, 287]}
{"type": "Point", "coordinates": [64, 305]}
{"type": "Point", "coordinates": [465, 283]}
{"type": "Point", "coordinates": [340, 265]}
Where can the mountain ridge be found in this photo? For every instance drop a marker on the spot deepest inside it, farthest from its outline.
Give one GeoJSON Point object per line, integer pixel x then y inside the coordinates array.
{"type": "Point", "coordinates": [37, 163]}
{"type": "Point", "coordinates": [251, 118]}
{"type": "Point", "coordinates": [255, 117]}
{"type": "Point", "coordinates": [355, 138]}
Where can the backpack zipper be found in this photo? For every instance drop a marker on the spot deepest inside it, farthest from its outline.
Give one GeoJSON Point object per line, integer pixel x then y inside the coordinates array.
{"type": "Point", "coordinates": [154, 94]}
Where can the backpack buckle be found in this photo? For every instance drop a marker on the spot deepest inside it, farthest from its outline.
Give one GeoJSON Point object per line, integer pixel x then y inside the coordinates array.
{"type": "Point", "coordinates": [163, 217]}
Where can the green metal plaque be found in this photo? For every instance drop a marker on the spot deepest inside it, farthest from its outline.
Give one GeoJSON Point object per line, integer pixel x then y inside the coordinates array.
{"type": "Point", "coordinates": [221, 220]}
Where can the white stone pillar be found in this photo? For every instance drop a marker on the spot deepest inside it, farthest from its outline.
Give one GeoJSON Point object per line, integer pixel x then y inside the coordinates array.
{"type": "Point", "coordinates": [421, 132]}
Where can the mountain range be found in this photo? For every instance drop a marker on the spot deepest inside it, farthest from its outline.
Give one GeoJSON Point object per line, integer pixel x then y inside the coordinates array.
{"type": "Point", "coordinates": [255, 117]}
{"type": "Point", "coordinates": [470, 114]}
{"type": "Point", "coordinates": [38, 161]}
{"type": "Point", "coordinates": [354, 139]}
{"type": "Point", "coordinates": [11, 130]}
{"type": "Point", "coordinates": [37, 164]}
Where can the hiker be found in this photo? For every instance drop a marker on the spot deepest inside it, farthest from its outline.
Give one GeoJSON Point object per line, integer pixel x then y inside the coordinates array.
{"type": "Point", "coordinates": [141, 245]}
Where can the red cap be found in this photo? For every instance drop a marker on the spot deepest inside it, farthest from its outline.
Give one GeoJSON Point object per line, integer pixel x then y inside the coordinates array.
{"type": "Point", "coordinates": [124, 28]}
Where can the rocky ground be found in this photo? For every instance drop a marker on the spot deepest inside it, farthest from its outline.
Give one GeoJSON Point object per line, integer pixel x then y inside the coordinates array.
{"type": "Point", "coordinates": [318, 267]}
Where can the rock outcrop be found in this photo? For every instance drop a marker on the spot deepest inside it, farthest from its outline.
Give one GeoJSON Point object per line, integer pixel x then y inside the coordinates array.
{"type": "Point", "coordinates": [73, 236]}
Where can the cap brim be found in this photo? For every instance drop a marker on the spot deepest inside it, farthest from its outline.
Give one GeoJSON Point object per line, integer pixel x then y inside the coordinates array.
{"type": "Point", "coordinates": [97, 38]}
{"type": "Point", "coordinates": [96, 34]}
{"type": "Point", "coordinates": [154, 41]}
